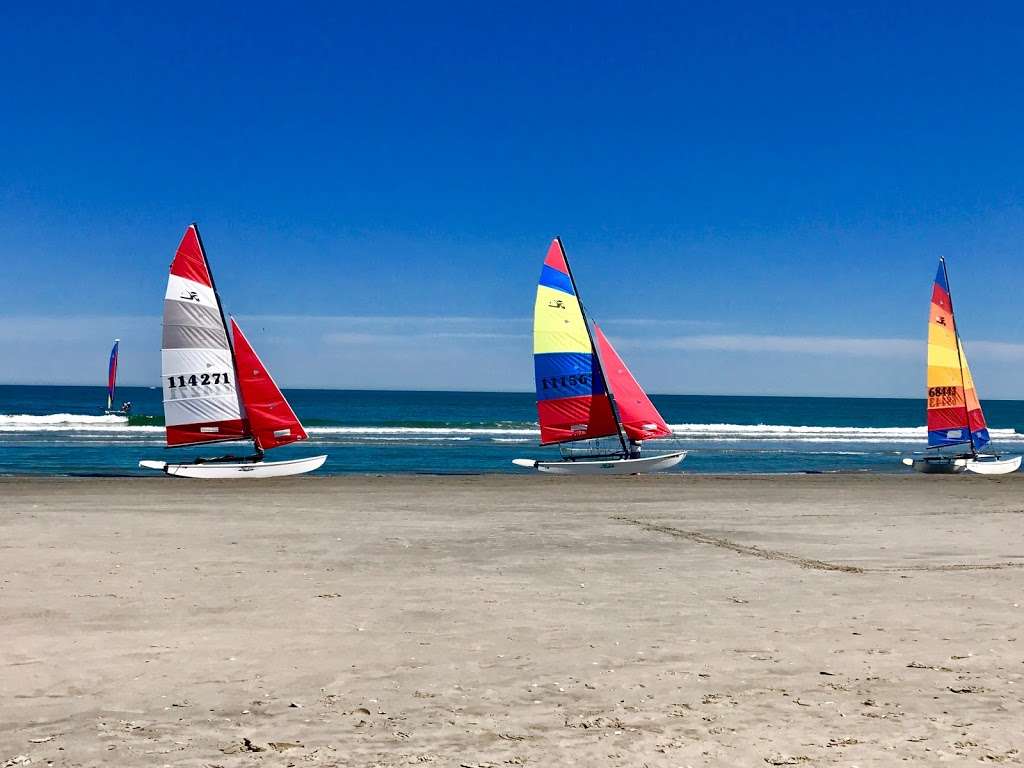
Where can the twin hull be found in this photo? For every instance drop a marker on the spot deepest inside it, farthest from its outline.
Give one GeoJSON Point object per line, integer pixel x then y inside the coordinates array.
{"type": "Point", "coordinates": [605, 467]}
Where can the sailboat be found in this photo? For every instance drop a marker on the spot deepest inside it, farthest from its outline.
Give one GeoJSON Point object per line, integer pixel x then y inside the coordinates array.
{"type": "Point", "coordinates": [584, 389]}
{"type": "Point", "coordinates": [957, 433]}
{"type": "Point", "coordinates": [215, 387]}
{"type": "Point", "coordinates": [112, 383]}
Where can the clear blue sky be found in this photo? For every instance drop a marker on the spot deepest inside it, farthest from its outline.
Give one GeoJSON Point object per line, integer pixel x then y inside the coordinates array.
{"type": "Point", "coordinates": [377, 186]}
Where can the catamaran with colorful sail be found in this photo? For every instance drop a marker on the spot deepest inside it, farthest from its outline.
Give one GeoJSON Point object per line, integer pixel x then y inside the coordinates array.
{"type": "Point", "coordinates": [585, 392]}
{"type": "Point", "coordinates": [215, 390]}
{"type": "Point", "coordinates": [112, 384]}
{"type": "Point", "coordinates": [957, 433]}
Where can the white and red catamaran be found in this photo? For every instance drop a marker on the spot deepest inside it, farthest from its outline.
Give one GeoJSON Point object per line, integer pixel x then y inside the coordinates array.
{"type": "Point", "coordinates": [216, 390]}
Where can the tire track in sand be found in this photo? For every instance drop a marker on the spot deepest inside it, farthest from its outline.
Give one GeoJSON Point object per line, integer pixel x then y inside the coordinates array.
{"type": "Point", "coordinates": [803, 562]}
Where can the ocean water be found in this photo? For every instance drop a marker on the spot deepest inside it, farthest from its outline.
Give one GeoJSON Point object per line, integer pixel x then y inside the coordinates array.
{"type": "Point", "coordinates": [61, 431]}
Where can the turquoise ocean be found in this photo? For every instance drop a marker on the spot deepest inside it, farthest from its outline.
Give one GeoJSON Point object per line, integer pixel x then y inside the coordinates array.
{"type": "Point", "coordinates": [48, 430]}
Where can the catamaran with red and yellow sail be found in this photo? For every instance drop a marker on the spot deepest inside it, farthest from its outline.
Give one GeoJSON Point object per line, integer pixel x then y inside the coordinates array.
{"type": "Point", "coordinates": [585, 392]}
{"type": "Point", "coordinates": [957, 433]}
{"type": "Point", "coordinates": [216, 388]}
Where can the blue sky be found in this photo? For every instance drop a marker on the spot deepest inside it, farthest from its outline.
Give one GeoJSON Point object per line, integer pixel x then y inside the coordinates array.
{"type": "Point", "coordinates": [753, 198]}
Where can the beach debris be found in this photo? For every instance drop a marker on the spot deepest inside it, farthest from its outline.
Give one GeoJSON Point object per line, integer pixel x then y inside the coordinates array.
{"type": "Point", "coordinates": [294, 705]}
{"type": "Point", "coordinates": [41, 740]}
{"type": "Point", "coordinates": [967, 689]}
{"type": "Point", "coordinates": [330, 595]}
{"type": "Point", "coordinates": [777, 759]}
{"type": "Point", "coordinates": [245, 745]}
{"type": "Point", "coordinates": [1000, 757]}
{"type": "Point", "coordinates": [16, 760]}
{"type": "Point", "coordinates": [360, 711]}
{"type": "Point", "coordinates": [281, 746]}
{"type": "Point", "coordinates": [511, 737]}
{"type": "Point", "coordinates": [918, 665]}
{"type": "Point", "coordinates": [830, 674]}
{"type": "Point", "coordinates": [848, 742]}
{"type": "Point", "coordinates": [739, 600]}
{"type": "Point", "coordinates": [595, 722]}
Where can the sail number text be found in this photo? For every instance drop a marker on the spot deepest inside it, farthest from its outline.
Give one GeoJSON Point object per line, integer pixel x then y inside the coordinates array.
{"type": "Point", "coordinates": [173, 382]}
{"type": "Point", "coordinates": [939, 397]}
{"type": "Point", "coordinates": [572, 380]}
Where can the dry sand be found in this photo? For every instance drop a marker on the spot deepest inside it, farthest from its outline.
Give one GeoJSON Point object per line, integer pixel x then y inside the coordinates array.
{"type": "Point", "coordinates": [494, 621]}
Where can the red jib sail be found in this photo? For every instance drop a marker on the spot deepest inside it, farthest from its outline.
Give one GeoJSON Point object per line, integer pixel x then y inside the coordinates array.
{"type": "Point", "coordinates": [271, 420]}
{"type": "Point", "coordinates": [640, 419]}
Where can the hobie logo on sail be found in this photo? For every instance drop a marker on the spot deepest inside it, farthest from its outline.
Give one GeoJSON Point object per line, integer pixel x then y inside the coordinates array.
{"type": "Point", "coordinates": [190, 296]}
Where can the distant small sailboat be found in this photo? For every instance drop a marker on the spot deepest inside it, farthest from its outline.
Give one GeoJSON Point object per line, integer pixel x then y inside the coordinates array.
{"type": "Point", "coordinates": [216, 391]}
{"type": "Point", "coordinates": [957, 432]}
{"type": "Point", "coordinates": [584, 389]}
{"type": "Point", "coordinates": [112, 385]}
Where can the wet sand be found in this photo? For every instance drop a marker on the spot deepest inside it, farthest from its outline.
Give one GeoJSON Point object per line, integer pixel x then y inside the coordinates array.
{"type": "Point", "coordinates": [496, 621]}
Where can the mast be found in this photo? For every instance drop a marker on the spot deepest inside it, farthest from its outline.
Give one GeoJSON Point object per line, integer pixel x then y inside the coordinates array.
{"type": "Point", "coordinates": [960, 362]}
{"type": "Point", "coordinates": [223, 321]}
{"type": "Point", "coordinates": [597, 352]}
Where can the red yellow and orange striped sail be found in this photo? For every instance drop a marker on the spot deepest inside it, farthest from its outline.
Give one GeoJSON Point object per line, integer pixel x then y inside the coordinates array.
{"type": "Point", "coordinates": [954, 412]}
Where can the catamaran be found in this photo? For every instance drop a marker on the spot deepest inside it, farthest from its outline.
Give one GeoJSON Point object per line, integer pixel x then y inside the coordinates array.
{"type": "Point", "coordinates": [585, 392]}
{"type": "Point", "coordinates": [112, 384]}
{"type": "Point", "coordinates": [956, 425]}
{"type": "Point", "coordinates": [215, 390]}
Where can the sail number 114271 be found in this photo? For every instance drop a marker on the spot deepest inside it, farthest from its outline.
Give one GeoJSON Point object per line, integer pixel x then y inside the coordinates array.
{"type": "Point", "coordinates": [195, 380]}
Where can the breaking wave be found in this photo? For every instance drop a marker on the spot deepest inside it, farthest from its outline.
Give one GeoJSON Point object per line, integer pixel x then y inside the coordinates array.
{"type": "Point", "coordinates": [120, 428]}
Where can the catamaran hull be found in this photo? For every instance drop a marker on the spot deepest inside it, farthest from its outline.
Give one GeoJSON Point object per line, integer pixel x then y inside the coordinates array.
{"type": "Point", "coordinates": [983, 464]}
{"type": "Point", "coordinates": [993, 465]}
{"type": "Point", "coordinates": [217, 470]}
{"type": "Point", "coordinates": [937, 465]}
{"type": "Point", "coordinates": [639, 466]}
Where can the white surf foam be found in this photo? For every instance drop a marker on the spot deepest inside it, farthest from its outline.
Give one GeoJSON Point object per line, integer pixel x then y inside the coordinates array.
{"type": "Point", "coordinates": [117, 428]}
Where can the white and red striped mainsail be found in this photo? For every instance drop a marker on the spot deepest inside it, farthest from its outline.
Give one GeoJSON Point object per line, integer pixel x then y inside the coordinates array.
{"type": "Point", "coordinates": [201, 397]}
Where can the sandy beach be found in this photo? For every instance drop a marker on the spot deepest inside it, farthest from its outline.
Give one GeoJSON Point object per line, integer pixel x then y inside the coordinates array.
{"type": "Point", "coordinates": [495, 621]}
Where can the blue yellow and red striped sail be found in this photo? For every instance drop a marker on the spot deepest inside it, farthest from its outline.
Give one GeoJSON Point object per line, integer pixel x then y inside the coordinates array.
{"type": "Point", "coordinates": [571, 393]}
{"type": "Point", "coordinates": [954, 412]}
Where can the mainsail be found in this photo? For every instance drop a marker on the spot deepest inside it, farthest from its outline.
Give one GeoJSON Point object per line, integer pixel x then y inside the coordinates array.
{"type": "Point", "coordinates": [572, 400]}
{"type": "Point", "coordinates": [640, 419]}
{"type": "Point", "coordinates": [272, 421]}
{"type": "Point", "coordinates": [112, 375]}
{"type": "Point", "coordinates": [201, 401]}
{"type": "Point", "coordinates": [954, 412]}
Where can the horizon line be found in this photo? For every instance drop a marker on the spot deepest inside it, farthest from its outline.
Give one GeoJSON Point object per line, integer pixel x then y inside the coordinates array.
{"type": "Point", "coordinates": [102, 387]}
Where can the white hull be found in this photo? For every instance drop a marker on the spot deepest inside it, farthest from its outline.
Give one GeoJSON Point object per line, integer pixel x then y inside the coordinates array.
{"type": "Point", "coordinates": [605, 467]}
{"type": "Point", "coordinates": [222, 470]}
{"type": "Point", "coordinates": [993, 465]}
{"type": "Point", "coordinates": [984, 464]}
